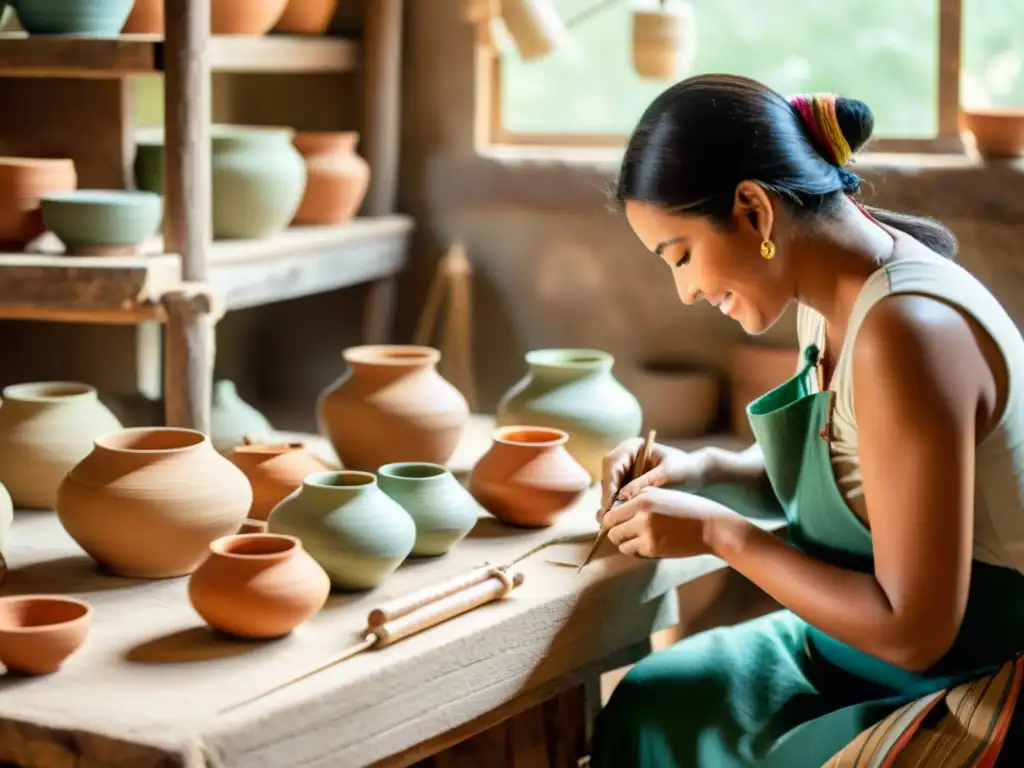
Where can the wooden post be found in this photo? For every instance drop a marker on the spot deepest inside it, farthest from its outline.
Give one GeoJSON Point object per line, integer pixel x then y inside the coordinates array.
{"type": "Point", "coordinates": [189, 349]}
{"type": "Point", "coordinates": [382, 99]}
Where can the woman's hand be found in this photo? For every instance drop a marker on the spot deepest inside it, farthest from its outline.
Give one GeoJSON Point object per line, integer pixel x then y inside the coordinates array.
{"type": "Point", "coordinates": [668, 466]}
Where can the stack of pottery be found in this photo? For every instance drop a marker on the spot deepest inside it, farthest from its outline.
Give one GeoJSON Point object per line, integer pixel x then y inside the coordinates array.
{"type": "Point", "coordinates": [337, 177]}
{"type": "Point", "coordinates": [23, 183]}
{"type": "Point", "coordinates": [84, 18]}
{"type": "Point", "coordinates": [306, 17]}
{"type": "Point", "coordinates": [46, 428]}
{"type": "Point", "coordinates": [274, 470]}
{"type": "Point", "coordinates": [233, 422]}
{"type": "Point", "coordinates": [392, 405]}
{"type": "Point", "coordinates": [103, 221]}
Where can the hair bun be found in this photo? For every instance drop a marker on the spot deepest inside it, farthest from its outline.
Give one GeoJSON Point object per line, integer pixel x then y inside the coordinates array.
{"type": "Point", "coordinates": [839, 126]}
{"type": "Point", "coordinates": [855, 121]}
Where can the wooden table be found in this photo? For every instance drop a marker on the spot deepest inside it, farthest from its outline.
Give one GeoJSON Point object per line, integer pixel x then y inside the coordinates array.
{"type": "Point", "coordinates": [146, 687]}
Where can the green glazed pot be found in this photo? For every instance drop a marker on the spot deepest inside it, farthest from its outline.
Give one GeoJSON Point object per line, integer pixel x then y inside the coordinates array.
{"type": "Point", "coordinates": [574, 390]}
{"type": "Point", "coordinates": [149, 166]}
{"type": "Point", "coordinates": [357, 533]}
{"type": "Point", "coordinates": [85, 18]}
{"type": "Point", "coordinates": [98, 218]}
{"type": "Point", "coordinates": [443, 510]}
{"type": "Point", "coordinates": [232, 419]}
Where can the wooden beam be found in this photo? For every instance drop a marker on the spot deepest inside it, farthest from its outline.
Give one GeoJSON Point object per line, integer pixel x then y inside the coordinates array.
{"type": "Point", "coordinates": [189, 352]}
{"type": "Point", "coordinates": [950, 61]}
{"type": "Point", "coordinates": [382, 97]}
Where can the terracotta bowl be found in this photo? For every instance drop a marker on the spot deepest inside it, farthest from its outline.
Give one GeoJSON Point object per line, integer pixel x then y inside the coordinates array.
{"type": "Point", "coordinates": [39, 632]}
{"type": "Point", "coordinates": [998, 133]}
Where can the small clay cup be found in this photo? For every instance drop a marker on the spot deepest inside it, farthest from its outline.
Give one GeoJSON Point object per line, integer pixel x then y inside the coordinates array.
{"type": "Point", "coordinates": [39, 632]}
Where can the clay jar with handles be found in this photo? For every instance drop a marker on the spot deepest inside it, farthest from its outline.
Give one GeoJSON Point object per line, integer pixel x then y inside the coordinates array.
{"type": "Point", "coordinates": [23, 182]}
{"type": "Point", "coordinates": [527, 477]}
{"type": "Point", "coordinates": [147, 502]}
{"type": "Point", "coordinates": [337, 177]}
{"type": "Point", "coordinates": [392, 405]}
{"type": "Point", "coordinates": [46, 428]}
{"type": "Point", "coordinates": [274, 470]}
{"type": "Point", "coordinates": [258, 585]}
{"type": "Point", "coordinates": [348, 525]}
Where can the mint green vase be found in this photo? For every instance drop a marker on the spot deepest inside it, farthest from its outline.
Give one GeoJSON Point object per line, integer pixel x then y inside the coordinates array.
{"type": "Point", "coordinates": [357, 533]}
{"type": "Point", "coordinates": [574, 390]}
{"type": "Point", "coordinates": [442, 509]}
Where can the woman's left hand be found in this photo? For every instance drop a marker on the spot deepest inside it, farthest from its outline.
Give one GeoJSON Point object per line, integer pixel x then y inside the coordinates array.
{"type": "Point", "coordinates": [659, 522]}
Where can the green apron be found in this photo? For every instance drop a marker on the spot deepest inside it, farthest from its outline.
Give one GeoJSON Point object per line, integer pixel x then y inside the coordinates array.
{"type": "Point", "coordinates": [775, 692]}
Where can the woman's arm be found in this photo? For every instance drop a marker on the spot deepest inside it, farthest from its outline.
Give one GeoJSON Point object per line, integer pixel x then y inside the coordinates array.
{"type": "Point", "coordinates": [919, 377]}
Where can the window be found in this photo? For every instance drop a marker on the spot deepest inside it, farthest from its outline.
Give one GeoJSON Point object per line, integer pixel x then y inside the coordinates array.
{"type": "Point", "coordinates": [902, 57]}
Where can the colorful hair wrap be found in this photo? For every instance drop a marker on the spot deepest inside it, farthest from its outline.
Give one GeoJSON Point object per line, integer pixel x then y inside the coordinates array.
{"type": "Point", "coordinates": [818, 111]}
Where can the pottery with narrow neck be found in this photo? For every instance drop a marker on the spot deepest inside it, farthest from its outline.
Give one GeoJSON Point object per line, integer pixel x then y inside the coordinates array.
{"type": "Point", "coordinates": [274, 470]}
{"type": "Point", "coordinates": [232, 420]}
{"type": "Point", "coordinates": [337, 177]}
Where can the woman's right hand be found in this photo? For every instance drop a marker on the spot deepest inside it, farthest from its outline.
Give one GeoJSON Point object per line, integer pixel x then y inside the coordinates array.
{"type": "Point", "coordinates": [667, 466]}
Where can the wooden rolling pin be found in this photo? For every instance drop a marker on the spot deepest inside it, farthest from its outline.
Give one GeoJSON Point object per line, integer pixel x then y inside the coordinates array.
{"type": "Point", "coordinates": [406, 604]}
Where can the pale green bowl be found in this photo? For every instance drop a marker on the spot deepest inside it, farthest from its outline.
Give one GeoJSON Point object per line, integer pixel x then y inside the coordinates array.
{"type": "Point", "coordinates": [102, 218]}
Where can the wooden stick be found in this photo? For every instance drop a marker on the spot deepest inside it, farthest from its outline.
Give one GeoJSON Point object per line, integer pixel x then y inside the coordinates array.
{"type": "Point", "coordinates": [401, 606]}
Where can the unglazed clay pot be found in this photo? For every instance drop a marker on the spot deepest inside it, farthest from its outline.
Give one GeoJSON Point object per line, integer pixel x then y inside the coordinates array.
{"type": "Point", "coordinates": [258, 181]}
{"type": "Point", "coordinates": [352, 528]}
{"type": "Point", "coordinates": [244, 17]}
{"type": "Point", "coordinates": [306, 17]}
{"type": "Point", "coordinates": [392, 405]}
{"type": "Point", "coordinates": [574, 390]}
{"type": "Point", "coordinates": [337, 177]}
{"type": "Point", "coordinates": [23, 182]}
{"type": "Point", "coordinates": [443, 510]}
{"type": "Point", "coordinates": [274, 470]}
{"type": "Point", "coordinates": [6, 518]}
{"type": "Point", "coordinates": [753, 371]}
{"type": "Point", "coordinates": [527, 477]}
{"type": "Point", "coordinates": [232, 420]}
{"type": "Point", "coordinates": [998, 133]}
{"type": "Point", "coordinates": [46, 428]}
{"type": "Point", "coordinates": [258, 585]}
{"type": "Point", "coordinates": [39, 632]}
{"type": "Point", "coordinates": [146, 18]}
{"type": "Point", "coordinates": [253, 526]}
{"type": "Point", "coordinates": [147, 502]}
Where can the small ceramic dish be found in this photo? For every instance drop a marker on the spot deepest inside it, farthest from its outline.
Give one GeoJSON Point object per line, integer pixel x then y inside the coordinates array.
{"type": "Point", "coordinates": [39, 632]}
{"type": "Point", "coordinates": [103, 220]}
{"type": "Point", "coordinates": [998, 133]}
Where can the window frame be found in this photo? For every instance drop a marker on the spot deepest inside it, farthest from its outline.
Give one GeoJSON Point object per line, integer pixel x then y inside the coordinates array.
{"type": "Point", "coordinates": [491, 132]}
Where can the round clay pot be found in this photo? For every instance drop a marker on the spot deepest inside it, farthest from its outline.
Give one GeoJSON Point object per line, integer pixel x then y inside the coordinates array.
{"type": "Point", "coordinates": [348, 525]}
{"type": "Point", "coordinates": [23, 182]}
{"type": "Point", "coordinates": [258, 181]}
{"type": "Point", "coordinates": [338, 177]}
{"type": "Point", "coordinates": [232, 420]}
{"type": "Point", "coordinates": [6, 518]}
{"type": "Point", "coordinates": [146, 18]}
{"type": "Point", "coordinates": [443, 510]}
{"type": "Point", "coordinates": [527, 477]}
{"type": "Point", "coordinates": [103, 221]}
{"type": "Point", "coordinates": [258, 585]}
{"type": "Point", "coordinates": [147, 502]}
{"type": "Point", "coordinates": [46, 428]}
{"type": "Point", "coordinates": [753, 371]}
{"type": "Point", "coordinates": [306, 17]}
{"type": "Point", "coordinates": [998, 133]}
{"type": "Point", "coordinates": [83, 18]}
{"type": "Point", "coordinates": [244, 17]}
{"type": "Point", "coordinates": [274, 470]}
{"type": "Point", "coordinates": [392, 405]}
{"type": "Point", "coordinates": [679, 398]}
{"type": "Point", "coordinates": [574, 390]}
{"type": "Point", "coordinates": [39, 632]}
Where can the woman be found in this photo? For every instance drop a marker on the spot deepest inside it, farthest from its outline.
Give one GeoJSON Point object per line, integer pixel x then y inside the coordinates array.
{"type": "Point", "coordinates": [896, 451]}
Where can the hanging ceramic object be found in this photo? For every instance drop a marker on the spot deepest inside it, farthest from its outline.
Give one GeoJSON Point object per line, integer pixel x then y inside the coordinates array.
{"type": "Point", "coordinates": [535, 27]}
{"type": "Point", "coordinates": [258, 585]}
{"type": "Point", "coordinates": [147, 502]}
{"type": "Point", "coordinates": [574, 390]}
{"type": "Point", "coordinates": [359, 534]}
{"type": "Point", "coordinates": [39, 632]}
{"type": "Point", "coordinates": [6, 518]}
{"type": "Point", "coordinates": [527, 477]}
{"type": "Point", "coordinates": [392, 405]}
{"type": "Point", "coordinates": [664, 41]}
{"type": "Point", "coordinates": [46, 428]}
{"type": "Point", "coordinates": [232, 420]}
{"type": "Point", "coordinates": [274, 470]}
{"type": "Point", "coordinates": [337, 178]}
{"type": "Point", "coordinates": [306, 17]}
{"type": "Point", "coordinates": [23, 182]}
{"type": "Point", "coordinates": [443, 510]}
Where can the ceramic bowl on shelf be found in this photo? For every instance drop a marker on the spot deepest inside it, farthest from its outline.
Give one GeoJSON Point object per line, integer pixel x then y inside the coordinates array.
{"type": "Point", "coordinates": [39, 632]}
{"type": "Point", "coordinates": [103, 220]}
{"type": "Point", "coordinates": [998, 133]}
{"type": "Point", "coordinates": [85, 18]}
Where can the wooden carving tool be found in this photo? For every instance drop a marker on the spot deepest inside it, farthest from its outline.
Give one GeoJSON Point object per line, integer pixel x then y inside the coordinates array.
{"type": "Point", "coordinates": [638, 470]}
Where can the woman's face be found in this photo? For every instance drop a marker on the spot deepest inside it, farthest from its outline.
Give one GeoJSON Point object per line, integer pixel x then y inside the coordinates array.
{"type": "Point", "coordinates": [725, 268]}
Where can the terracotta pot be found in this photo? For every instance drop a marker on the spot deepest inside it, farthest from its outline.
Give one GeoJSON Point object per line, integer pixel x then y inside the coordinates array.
{"type": "Point", "coordinates": [348, 525]}
{"type": "Point", "coordinates": [39, 632]}
{"type": "Point", "coordinates": [754, 370]}
{"type": "Point", "coordinates": [46, 428]}
{"type": "Point", "coordinates": [306, 17]}
{"type": "Point", "coordinates": [232, 420]}
{"type": "Point", "coordinates": [147, 502]}
{"type": "Point", "coordinates": [527, 477]}
{"type": "Point", "coordinates": [574, 390]}
{"type": "Point", "coordinates": [23, 182]}
{"type": "Point", "coordinates": [679, 398]}
{"type": "Point", "coordinates": [146, 18]}
{"type": "Point", "coordinates": [663, 42]}
{"type": "Point", "coordinates": [998, 133]}
{"type": "Point", "coordinates": [244, 17]}
{"type": "Point", "coordinates": [337, 177]}
{"type": "Point", "coordinates": [274, 470]}
{"type": "Point", "coordinates": [258, 585]}
{"type": "Point", "coordinates": [392, 405]}
{"type": "Point", "coordinates": [6, 518]}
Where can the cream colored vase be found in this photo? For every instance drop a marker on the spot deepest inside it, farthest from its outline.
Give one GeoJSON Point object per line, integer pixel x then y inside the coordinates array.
{"type": "Point", "coordinates": [147, 502]}
{"type": "Point", "coordinates": [45, 429]}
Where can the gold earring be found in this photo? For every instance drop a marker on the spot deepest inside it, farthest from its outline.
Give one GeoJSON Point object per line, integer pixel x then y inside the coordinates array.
{"type": "Point", "coordinates": [767, 249]}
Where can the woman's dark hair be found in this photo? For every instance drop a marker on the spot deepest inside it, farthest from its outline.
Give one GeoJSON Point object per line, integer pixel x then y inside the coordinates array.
{"type": "Point", "coordinates": [703, 136]}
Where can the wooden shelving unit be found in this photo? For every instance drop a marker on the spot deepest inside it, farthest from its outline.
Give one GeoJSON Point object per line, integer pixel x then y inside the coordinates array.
{"type": "Point", "coordinates": [184, 279]}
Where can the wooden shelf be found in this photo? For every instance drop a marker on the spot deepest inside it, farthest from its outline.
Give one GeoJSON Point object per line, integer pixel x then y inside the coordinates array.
{"type": "Point", "coordinates": [22, 55]}
{"type": "Point", "coordinates": [301, 261]}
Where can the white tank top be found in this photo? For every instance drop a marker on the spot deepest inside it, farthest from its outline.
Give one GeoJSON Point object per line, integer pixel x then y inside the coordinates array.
{"type": "Point", "coordinates": [999, 463]}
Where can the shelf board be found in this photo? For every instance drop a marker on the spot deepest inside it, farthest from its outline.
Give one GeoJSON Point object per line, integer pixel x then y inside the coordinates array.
{"type": "Point", "coordinates": [47, 285]}
{"type": "Point", "coordinates": [23, 55]}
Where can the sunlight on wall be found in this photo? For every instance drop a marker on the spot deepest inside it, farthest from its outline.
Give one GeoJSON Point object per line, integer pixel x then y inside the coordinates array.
{"type": "Point", "coordinates": [148, 100]}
